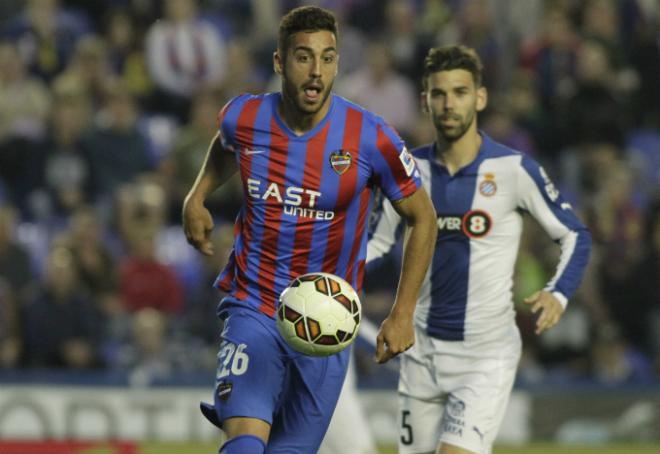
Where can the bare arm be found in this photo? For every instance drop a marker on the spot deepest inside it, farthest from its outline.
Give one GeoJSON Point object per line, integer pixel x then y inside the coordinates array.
{"type": "Point", "coordinates": [396, 333]}
{"type": "Point", "coordinates": [218, 167]}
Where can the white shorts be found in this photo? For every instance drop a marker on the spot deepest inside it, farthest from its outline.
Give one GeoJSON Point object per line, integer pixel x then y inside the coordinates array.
{"type": "Point", "coordinates": [349, 429]}
{"type": "Point", "coordinates": [454, 392]}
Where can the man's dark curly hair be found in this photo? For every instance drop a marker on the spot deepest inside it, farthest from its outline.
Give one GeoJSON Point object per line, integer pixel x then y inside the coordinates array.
{"type": "Point", "coordinates": [452, 57]}
{"type": "Point", "coordinates": [304, 18]}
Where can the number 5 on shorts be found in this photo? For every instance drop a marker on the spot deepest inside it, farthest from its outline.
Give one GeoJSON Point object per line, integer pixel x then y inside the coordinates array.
{"type": "Point", "coordinates": [232, 359]}
{"type": "Point", "coordinates": [406, 429]}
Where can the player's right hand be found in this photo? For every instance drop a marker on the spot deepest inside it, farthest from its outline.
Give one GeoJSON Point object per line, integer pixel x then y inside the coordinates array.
{"type": "Point", "coordinates": [197, 225]}
{"type": "Point", "coordinates": [396, 335]}
{"type": "Point", "coordinates": [550, 307]}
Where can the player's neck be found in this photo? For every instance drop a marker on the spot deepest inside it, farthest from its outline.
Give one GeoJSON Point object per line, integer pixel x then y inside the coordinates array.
{"type": "Point", "coordinates": [301, 122]}
{"type": "Point", "coordinates": [460, 153]}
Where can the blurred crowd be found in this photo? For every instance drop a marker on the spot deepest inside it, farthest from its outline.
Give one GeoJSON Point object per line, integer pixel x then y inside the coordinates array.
{"type": "Point", "coordinates": [107, 108]}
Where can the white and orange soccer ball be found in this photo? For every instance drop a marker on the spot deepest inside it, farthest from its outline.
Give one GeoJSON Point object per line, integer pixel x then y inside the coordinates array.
{"type": "Point", "coordinates": [319, 314]}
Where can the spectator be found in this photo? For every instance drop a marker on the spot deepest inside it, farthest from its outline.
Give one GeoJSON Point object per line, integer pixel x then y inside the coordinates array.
{"type": "Point", "coordinates": [644, 56]}
{"type": "Point", "coordinates": [407, 47]}
{"type": "Point", "coordinates": [93, 259]}
{"type": "Point", "coordinates": [147, 356]}
{"type": "Point", "coordinates": [15, 267]}
{"type": "Point", "coordinates": [115, 148]}
{"type": "Point", "coordinates": [646, 287]}
{"type": "Point", "coordinates": [243, 74]}
{"type": "Point", "coordinates": [46, 34]}
{"type": "Point", "coordinates": [479, 32]}
{"type": "Point", "coordinates": [61, 325]}
{"type": "Point", "coordinates": [524, 101]}
{"type": "Point", "coordinates": [16, 282]}
{"type": "Point", "coordinates": [65, 173]}
{"type": "Point", "coordinates": [380, 88]}
{"type": "Point", "coordinates": [89, 70]}
{"type": "Point", "coordinates": [188, 152]}
{"type": "Point", "coordinates": [145, 282]}
{"type": "Point", "coordinates": [184, 53]}
{"type": "Point", "coordinates": [24, 108]}
{"type": "Point", "coordinates": [592, 111]}
{"type": "Point", "coordinates": [601, 23]}
{"type": "Point", "coordinates": [617, 226]}
{"type": "Point", "coordinates": [551, 55]}
{"type": "Point", "coordinates": [500, 124]}
{"type": "Point", "coordinates": [126, 56]}
{"type": "Point", "coordinates": [24, 100]}
{"type": "Point", "coordinates": [10, 333]}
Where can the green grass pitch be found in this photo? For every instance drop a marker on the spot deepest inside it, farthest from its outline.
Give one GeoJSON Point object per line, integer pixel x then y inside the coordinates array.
{"type": "Point", "coordinates": [534, 448]}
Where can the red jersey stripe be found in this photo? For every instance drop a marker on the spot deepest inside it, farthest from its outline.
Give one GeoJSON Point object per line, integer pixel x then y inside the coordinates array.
{"type": "Point", "coordinates": [360, 276]}
{"type": "Point", "coordinates": [391, 154]}
{"type": "Point", "coordinates": [272, 219]}
{"type": "Point", "coordinates": [347, 184]}
{"type": "Point", "coordinates": [245, 129]}
{"type": "Point", "coordinates": [365, 197]}
{"type": "Point", "coordinates": [311, 180]}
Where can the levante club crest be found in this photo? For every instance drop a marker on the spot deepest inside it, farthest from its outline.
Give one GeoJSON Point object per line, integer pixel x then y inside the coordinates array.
{"type": "Point", "coordinates": [340, 161]}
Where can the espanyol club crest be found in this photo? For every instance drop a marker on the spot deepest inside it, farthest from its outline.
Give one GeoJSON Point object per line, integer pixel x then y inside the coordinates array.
{"type": "Point", "coordinates": [340, 160]}
{"type": "Point", "coordinates": [488, 188]}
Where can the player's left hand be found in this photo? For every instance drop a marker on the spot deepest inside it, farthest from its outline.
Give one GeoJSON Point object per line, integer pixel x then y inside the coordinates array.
{"type": "Point", "coordinates": [550, 307]}
{"type": "Point", "coordinates": [396, 335]}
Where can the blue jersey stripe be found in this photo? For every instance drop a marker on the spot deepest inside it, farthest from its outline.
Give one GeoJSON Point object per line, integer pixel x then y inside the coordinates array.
{"type": "Point", "coordinates": [228, 126]}
{"type": "Point", "coordinates": [451, 262]}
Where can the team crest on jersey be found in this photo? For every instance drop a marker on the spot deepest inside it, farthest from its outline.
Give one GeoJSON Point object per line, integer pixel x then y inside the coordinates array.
{"type": "Point", "coordinates": [407, 160]}
{"type": "Point", "coordinates": [224, 390]}
{"type": "Point", "coordinates": [488, 188]}
{"type": "Point", "coordinates": [340, 161]}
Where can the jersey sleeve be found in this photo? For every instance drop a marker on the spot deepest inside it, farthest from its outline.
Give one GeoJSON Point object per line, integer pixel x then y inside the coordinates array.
{"type": "Point", "coordinates": [385, 231]}
{"type": "Point", "coordinates": [538, 196]}
{"type": "Point", "coordinates": [394, 167]}
{"type": "Point", "coordinates": [227, 121]}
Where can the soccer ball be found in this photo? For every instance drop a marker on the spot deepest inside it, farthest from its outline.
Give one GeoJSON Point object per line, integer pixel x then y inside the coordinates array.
{"type": "Point", "coordinates": [318, 314]}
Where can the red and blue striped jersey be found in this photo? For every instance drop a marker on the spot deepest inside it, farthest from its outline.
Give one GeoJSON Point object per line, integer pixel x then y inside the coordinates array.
{"type": "Point", "coordinates": [307, 197]}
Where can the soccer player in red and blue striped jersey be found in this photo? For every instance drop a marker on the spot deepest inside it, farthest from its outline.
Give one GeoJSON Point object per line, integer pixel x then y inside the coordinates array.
{"type": "Point", "coordinates": [309, 161]}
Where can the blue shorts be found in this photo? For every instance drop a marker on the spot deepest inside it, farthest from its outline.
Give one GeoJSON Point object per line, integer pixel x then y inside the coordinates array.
{"type": "Point", "coordinates": [260, 376]}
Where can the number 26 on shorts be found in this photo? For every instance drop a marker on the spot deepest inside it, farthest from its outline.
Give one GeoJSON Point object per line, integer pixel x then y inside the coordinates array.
{"type": "Point", "coordinates": [232, 359]}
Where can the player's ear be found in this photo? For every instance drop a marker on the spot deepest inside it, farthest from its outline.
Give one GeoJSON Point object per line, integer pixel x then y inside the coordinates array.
{"type": "Point", "coordinates": [277, 63]}
{"type": "Point", "coordinates": [482, 98]}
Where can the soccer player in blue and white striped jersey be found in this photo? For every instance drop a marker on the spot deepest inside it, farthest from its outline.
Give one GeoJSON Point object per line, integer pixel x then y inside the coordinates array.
{"type": "Point", "coordinates": [456, 380]}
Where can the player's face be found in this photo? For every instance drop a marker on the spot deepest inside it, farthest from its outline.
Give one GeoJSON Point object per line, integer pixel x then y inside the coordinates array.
{"type": "Point", "coordinates": [453, 100]}
{"type": "Point", "coordinates": [309, 69]}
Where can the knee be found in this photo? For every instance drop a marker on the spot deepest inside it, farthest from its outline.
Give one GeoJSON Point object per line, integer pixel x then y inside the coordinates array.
{"type": "Point", "coordinates": [243, 444]}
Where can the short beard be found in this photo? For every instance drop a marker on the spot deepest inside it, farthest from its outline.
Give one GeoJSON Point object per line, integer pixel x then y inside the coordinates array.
{"type": "Point", "coordinates": [293, 95]}
{"type": "Point", "coordinates": [455, 134]}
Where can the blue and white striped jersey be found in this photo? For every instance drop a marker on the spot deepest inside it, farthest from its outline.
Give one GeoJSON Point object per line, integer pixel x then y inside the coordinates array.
{"type": "Point", "coordinates": [467, 292]}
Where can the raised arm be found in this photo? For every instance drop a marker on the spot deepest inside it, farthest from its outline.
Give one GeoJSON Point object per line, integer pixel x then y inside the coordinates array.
{"type": "Point", "coordinates": [396, 333]}
{"type": "Point", "coordinates": [219, 165]}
